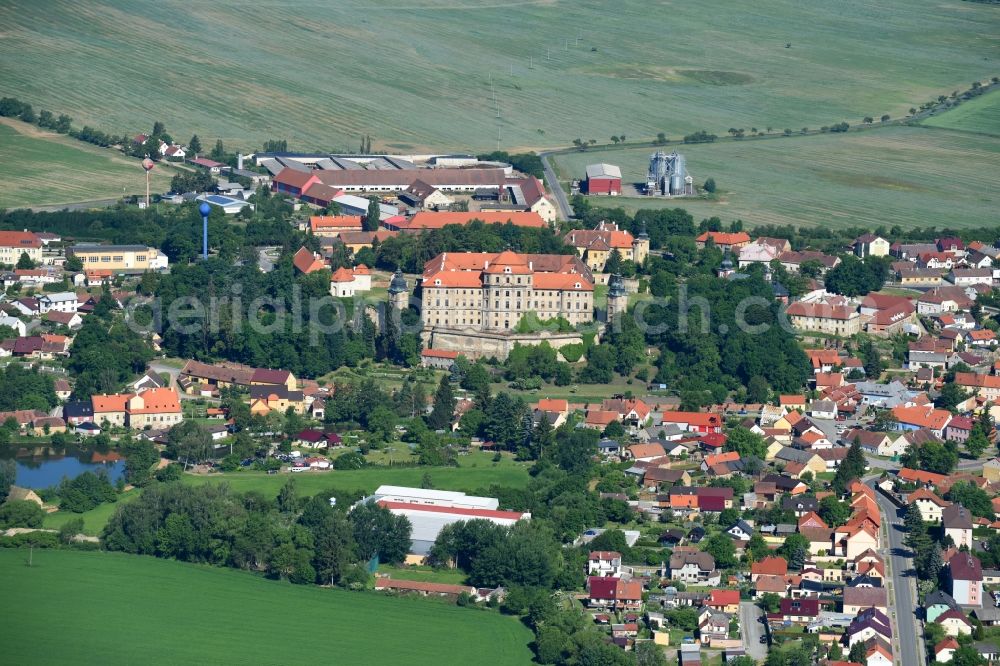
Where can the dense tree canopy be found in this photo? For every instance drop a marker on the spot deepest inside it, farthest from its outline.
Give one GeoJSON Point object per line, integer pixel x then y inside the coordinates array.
{"type": "Point", "coordinates": [23, 388]}
{"type": "Point", "coordinates": [856, 277]}
{"type": "Point", "coordinates": [713, 340]}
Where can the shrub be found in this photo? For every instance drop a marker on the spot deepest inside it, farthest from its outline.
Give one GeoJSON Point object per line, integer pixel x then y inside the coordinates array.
{"type": "Point", "coordinates": [572, 353]}
{"type": "Point", "coordinates": [21, 513]}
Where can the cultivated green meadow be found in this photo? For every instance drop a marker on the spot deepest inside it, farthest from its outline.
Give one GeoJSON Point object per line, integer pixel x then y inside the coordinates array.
{"type": "Point", "coordinates": [476, 472]}
{"type": "Point", "coordinates": [38, 167]}
{"type": "Point", "coordinates": [980, 115]}
{"type": "Point", "coordinates": [108, 608]}
{"type": "Point", "coordinates": [418, 74]}
{"type": "Point", "coordinates": [468, 479]}
{"type": "Point", "coordinates": [93, 520]}
{"type": "Point", "coordinates": [910, 176]}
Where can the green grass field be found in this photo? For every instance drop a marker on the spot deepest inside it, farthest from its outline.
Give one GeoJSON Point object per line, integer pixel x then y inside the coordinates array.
{"type": "Point", "coordinates": [467, 479]}
{"type": "Point", "coordinates": [910, 176]}
{"type": "Point", "coordinates": [93, 520]}
{"type": "Point", "coordinates": [418, 74]}
{"type": "Point", "coordinates": [38, 168]}
{"type": "Point", "coordinates": [476, 471]}
{"type": "Point", "coordinates": [109, 608]}
{"type": "Point", "coordinates": [423, 573]}
{"type": "Point", "coordinates": [980, 115]}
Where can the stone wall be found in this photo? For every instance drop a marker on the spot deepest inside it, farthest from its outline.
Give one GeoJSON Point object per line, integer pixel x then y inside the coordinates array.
{"type": "Point", "coordinates": [473, 343]}
{"type": "Point", "coordinates": [631, 284]}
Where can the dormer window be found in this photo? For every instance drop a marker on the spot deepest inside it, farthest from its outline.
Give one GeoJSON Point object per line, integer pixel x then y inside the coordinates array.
{"type": "Point", "coordinates": [437, 282]}
{"type": "Point", "coordinates": [506, 269]}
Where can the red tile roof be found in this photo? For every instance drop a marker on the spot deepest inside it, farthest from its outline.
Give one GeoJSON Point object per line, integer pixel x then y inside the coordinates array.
{"type": "Point", "coordinates": [724, 597]}
{"type": "Point", "coordinates": [307, 262]}
{"type": "Point", "coordinates": [335, 223]}
{"type": "Point", "coordinates": [20, 239]}
{"type": "Point", "coordinates": [724, 238]}
{"type": "Point", "coordinates": [439, 353]}
{"type": "Point", "coordinates": [821, 311]}
{"type": "Point", "coordinates": [436, 220]}
{"type": "Point", "coordinates": [773, 566]}
{"type": "Point", "coordinates": [930, 478]}
{"type": "Point", "coordinates": [110, 403]}
{"type": "Point", "coordinates": [157, 401]}
{"type": "Point", "coordinates": [692, 418]}
{"type": "Point", "coordinates": [923, 417]}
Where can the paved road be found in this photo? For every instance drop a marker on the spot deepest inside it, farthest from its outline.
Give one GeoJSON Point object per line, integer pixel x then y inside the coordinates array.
{"type": "Point", "coordinates": [909, 644]}
{"type": "Point", "coordinates": [751, 630]}
{"type": "Point", "coordinates": [565, 210]}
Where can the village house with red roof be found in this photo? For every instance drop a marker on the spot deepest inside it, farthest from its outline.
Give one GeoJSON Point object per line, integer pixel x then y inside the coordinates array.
{"type": "Point", "coordinates": [346, 282]}
{"type": "Point", "coordinates": [596, 245]}
{"type": "Point", "coordinates": [484, 291]}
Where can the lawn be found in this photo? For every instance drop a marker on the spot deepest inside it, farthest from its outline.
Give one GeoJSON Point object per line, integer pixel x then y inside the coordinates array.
{"type": "Point", "coordinates": [476, 472]}
{"type": "Point", "coordinates": [93, 520]}
{"type": "Point", "coordinates": [100, 608]}
{"type": "Point", "coordinates": [418, 74]}
{"type": "Point", "coordinates": [906, 176]}
{"type": "Point", "coordinates": [424, 573]}
{"type": "Point", "coordinates": [980, 115]}
{"type": "Point", "coordinates": [468, 479]}
{"type": "Point", "coordinates": [39, 168]}
{"type": "Point", "coordinates": [581, 393]}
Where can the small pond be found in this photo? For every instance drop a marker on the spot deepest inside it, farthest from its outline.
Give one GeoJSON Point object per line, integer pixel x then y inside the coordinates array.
{"type": "Point", "coordinates": [46, 466]}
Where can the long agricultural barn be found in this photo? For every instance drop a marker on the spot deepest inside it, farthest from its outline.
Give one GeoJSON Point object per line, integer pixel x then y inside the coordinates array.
{"type": "Point", "coordinates": [297, 182]}
{"type": "Point", "coordinates": [604, 179]}
{"type": "Point", "coordinates": [426, 220]}
{"type": "Point", "coordinates": [430, 510]}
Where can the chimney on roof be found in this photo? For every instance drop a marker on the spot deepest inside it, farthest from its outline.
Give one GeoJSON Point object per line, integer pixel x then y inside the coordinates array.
{"type": "Point", "coordinates": [531, 266]}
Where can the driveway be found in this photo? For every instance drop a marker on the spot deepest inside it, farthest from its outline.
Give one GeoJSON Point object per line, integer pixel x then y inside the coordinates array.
{"type": "Point", "coordinates": [909, 644]}
{"type": "Point", "coordinates": [552, 182]}
{"type": "Point", "coordinates": [751, 630]}
{"type": "Point", "coordinates": [164, 368]}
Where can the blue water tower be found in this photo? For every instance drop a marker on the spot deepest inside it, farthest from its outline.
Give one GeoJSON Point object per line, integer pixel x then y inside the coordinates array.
{"type": "Point", "coordinates": [204, 209]}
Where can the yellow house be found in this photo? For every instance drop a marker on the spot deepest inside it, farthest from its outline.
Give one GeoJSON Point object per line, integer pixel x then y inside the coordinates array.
{"type": "Point", "coordinates": [820, 539]}
{"type": "Point", "coordinates": [156, 408]}
{"type": "Point", "coordinates": [954, 623]}
{"type": "Point", "coordinates": [782, 424]}
{"type": "Point", "coordinates": [120, 258]}
{"type": "Point", "coordinates": [266, 398]}
{"type": "Point", "coordinates": [15, 243]}
{"type": "Point", "coordinates": [356, 240]}
{"type": "Point", "coordinates": [772, 450]}
{"type": "Point", "coordinates": [991, 470]}
{"type": "Point", "coordinates": [596, 245]}
{"type": "Point", "coordinates": [791, 402]}
{"type": "Point", "coordinates": [110, 409]}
